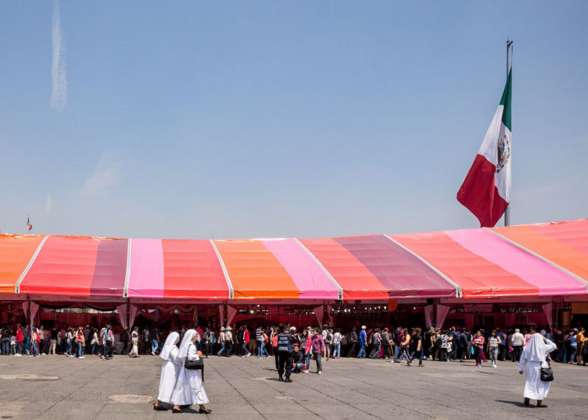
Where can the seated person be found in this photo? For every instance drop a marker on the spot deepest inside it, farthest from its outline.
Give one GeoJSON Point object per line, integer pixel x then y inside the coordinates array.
{"type": "Point", "coordinates": [297, 359]}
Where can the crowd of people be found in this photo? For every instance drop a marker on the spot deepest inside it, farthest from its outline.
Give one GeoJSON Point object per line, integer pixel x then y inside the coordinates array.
{"type": "Point", "coordinates": [396, 344]}
{"type": "Point", "coordinates": [71, 342]}
{"type": "Point", "coordinates": [294, 351]}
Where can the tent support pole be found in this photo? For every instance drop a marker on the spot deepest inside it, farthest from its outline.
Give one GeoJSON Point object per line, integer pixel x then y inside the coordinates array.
{"type": "Point", "coordinates": [29, 314]}
{"type": "Point", "coordinates": [129, 326]}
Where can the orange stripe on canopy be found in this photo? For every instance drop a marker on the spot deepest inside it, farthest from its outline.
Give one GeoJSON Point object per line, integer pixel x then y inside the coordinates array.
{"type": "Point", "coordinates": [356, 280]}
{"type": "Point", "coordinates": [255, 272]}
{"type": "Point", "coordinates": [564, 243]}
{"type": "Point", "coordinates": [477, 276]}
{"type": "Point", "coordinates": [15, 253]}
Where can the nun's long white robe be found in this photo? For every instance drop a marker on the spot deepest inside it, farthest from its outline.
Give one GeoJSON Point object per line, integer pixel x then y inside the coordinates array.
{"type": "Point", "coordinates": [189, 388]}
{"type": "Point", "coordinates": [533, 358]}
{"type": "Point", "coordinates": [169, 376]}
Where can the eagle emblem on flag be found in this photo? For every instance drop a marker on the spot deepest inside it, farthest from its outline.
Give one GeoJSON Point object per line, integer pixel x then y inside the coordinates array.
{"type": "Point", "coordinates": [503, 151]}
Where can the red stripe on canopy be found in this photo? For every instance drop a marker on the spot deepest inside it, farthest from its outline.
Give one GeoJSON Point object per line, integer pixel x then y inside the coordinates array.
{"type": "Point", "coordinates": [192, 270]}
{"type": "Point", "coordinates": [356, 280]}
{"type": "Point", "coordinates": [403, 274]}
{"type": "Point", "coordinates": [78, 266]}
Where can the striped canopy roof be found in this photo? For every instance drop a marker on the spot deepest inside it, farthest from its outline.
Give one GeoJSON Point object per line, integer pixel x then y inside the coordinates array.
{"type": "Point", "coordinates": [520, 261]}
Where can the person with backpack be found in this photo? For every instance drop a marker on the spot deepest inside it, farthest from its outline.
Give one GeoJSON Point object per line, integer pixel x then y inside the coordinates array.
{"type": "Point", "coordinates": [107, 342]}
{"type": "Point", "coordinates": [328, 339]}
{"type": "Point", "coordinates": [285, 341]}
{"type": "Point", "coordinates": [260, 342]}
{"type": "Point", "coordinates": [376, 343]}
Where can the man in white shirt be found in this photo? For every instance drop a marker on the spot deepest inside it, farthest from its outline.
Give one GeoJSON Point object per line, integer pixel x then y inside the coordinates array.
{"type": "Point", "coordinates": [517, 341]}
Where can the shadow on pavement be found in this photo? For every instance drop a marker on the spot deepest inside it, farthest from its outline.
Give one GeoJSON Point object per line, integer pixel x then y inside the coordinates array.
{"type": "Point", "coordinates": [517, 403]}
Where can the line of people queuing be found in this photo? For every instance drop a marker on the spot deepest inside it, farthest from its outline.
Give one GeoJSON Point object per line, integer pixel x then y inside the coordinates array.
{"type": "Point", "coordinates": [72, 342]}
{"type": "Point", "coordinates": [398, 344]}
{"type": "Point", "coordinates": [454, 344]}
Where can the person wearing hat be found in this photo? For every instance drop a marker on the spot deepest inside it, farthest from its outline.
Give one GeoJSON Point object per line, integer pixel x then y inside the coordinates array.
{"type": "Point", "coordinates": [228, 341]}
{"type": "Point", "coordinates": [362, 342]}
{"type": "Point", "coordinates": [285, 341]}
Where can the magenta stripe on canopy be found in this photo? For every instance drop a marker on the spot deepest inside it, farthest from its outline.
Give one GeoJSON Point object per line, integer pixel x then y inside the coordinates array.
{"type": "Point", "coordinates": [146, 268]}
{"type": "Point", "coordinates": [403, 274]}
{"type": "Point", "coordinates": [310, 279]}
{"type": "Point", "coordinates": [548, 279]}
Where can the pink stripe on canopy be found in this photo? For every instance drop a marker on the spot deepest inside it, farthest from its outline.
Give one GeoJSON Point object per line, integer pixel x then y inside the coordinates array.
{"type": "Point", "coordinates": [548, 279]}
{"type": "Point", "coordinates": [146, 269]}
{"type": "Point", "coordinates": [310, 279]}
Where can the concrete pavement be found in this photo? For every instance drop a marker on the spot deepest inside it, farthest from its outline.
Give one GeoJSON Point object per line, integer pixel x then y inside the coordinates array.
{"type": "Point", "coordinates": [55, 387]}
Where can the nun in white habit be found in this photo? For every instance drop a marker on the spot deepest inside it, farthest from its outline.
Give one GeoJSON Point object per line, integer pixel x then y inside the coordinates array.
{"type": "Point", "coordinates": [189, 388]}
{"type": "Point", "coordinates": [534, 357]}
{"type": "Point", "coordinates": [169, 371]}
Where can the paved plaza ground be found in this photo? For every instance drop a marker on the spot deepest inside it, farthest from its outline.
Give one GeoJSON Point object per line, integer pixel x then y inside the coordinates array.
{"type": "Point", "coordinates": [54, 387]}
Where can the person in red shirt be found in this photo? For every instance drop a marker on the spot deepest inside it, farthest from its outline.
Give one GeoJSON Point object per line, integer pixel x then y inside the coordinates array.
{"type": "Point", "coordinates": [245, 338]}
{"type": "Point", "coordinates": [19, 340]}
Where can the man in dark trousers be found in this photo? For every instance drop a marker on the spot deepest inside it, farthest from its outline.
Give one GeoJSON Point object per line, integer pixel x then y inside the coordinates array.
{"type": "Point", "coordinates": [285, 341]}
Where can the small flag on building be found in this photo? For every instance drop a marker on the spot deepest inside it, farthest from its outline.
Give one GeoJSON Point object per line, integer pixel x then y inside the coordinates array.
{"type": "Point", "coordinates": [29, 225]}
{"type": "Point", "coordinates": [486, 188]}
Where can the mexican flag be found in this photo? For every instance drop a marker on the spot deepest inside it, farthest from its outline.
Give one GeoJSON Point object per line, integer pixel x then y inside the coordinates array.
{"type": "Point", "coordinates": [486, 189]}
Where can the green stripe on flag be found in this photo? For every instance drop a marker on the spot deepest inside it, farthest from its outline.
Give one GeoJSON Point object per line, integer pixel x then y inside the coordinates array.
{"type": "Point", "coordinates": [506, 101]}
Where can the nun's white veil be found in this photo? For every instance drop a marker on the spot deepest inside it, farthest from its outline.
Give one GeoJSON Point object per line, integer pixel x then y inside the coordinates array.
{"type": "Point", "coordinates": [186, 341]}
{"type": "Point", "coordinates": [170, 342]}
{"type": "Point", "coordinates": [538, 348]}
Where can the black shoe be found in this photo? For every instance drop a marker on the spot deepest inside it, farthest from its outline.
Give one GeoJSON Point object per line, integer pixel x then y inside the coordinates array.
{"type": "Point", "coordinates": [280, 379]}
{"type": "Point", "coordinates": [288, 380]}
{"type": "Point", "coordinates": [159, 407]}
{"type": "Point", "coordinates": [527, 402]}
{"type": "Point", "coordinates": [540, 404]}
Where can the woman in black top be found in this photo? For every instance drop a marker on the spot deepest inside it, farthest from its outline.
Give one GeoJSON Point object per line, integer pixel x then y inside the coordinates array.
{"type": "Point", "coordinates": [416, 347]}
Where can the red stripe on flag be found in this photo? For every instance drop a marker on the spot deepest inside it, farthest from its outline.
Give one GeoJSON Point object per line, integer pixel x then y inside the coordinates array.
{"type": "Point", "coordinates": [479, 194]}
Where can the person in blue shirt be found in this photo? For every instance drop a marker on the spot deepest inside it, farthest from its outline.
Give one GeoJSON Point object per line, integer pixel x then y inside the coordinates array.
{"type": "Point", "coordinates": [362, 342]}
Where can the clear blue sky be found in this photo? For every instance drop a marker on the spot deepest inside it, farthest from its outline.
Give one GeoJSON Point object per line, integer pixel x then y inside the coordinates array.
{"type": "Point", "coordinates": [275, 118]}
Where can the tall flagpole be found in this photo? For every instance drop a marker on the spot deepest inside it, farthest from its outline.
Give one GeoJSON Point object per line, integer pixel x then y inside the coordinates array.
{"type": "Point", "coordinates": [509, 44]}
